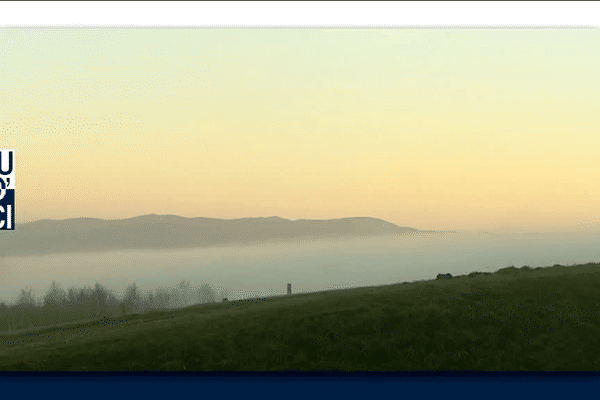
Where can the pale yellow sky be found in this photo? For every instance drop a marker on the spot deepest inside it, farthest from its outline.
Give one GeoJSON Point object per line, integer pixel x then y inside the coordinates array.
{"type": "Point", "coordinates": [494, 130]}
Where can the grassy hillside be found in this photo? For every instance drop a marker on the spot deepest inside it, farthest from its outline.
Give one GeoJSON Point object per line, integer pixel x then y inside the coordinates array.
{"type": "Point", "coordinates": [514, 319]}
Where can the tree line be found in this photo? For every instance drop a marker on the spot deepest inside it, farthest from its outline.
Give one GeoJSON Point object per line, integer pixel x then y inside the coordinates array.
{"type": "Point", "coordinates": [59, 305]}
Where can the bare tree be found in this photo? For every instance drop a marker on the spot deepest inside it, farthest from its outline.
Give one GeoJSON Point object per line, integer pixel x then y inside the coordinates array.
{"type": "Point", "coordinates": [100, 300]}
{"type": "Point", "coordinates": [162, 300]}
{"type": "Point", "coordinates": [55, 295]}
{"type": "Point", "coordinates": [151, 304]}
{"type": "Point", "coordinates": [25, 298]}
{"type": "Point", "coordinates": [206, 294]}
{"type": "Point", "coordinates": [183, 290]}
{"type": "Point", "coordinates": [55, 301]}
{"type": "Point", "coordinates": [25, 303]}
{"type": "Point", "coordinates": [72, 297]}
{"type": "Point", "coordinates": [131, 301]}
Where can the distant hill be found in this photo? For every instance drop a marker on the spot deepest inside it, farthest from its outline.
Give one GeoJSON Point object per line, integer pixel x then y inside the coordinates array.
{"type": "Point", "coordinates": [164, 232]}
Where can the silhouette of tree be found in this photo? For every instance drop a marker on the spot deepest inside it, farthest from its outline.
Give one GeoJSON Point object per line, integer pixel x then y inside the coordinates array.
{"type": "Point", "coordinates": [100, 299]}
{"type": "Point", "coordinates": [26, 299]}
{"type": "Point", "coordinates": [24, 307]}
{"type": "Point", "coordinates": [182, 295]}
{"type": "Point", "coordinates": [54, 296]}
{"type": "Point", "coordinates": [206, 294]}
{"type": "Point", "coordinates": [162, 300]}
{"type": "Point", "coordinates": [72, 297]}
{"type": "Point", "coordinates": [151, 301]}
{"type": "Point", "coordinates": [55, 302]}
{"type": "Point", "coordinates": [131, 300]}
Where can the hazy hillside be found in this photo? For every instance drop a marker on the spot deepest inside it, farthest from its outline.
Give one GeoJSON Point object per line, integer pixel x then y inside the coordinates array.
{"type": "Point", "coordinates": [175, 232]}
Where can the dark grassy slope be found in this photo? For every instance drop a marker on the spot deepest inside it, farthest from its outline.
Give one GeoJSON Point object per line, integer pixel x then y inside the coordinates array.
{"type": "Point", "coordinates": [514, 319]}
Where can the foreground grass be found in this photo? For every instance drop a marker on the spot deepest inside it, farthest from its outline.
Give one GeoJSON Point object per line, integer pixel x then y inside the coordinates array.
{"type": "Point", "coordinates": [514, 319]}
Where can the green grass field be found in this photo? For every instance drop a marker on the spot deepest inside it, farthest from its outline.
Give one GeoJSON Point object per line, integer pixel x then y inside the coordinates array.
{"type": "Point", "coordinates": [514, 319]}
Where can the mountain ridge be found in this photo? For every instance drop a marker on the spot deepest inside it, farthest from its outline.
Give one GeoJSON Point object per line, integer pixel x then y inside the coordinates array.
{"type": "Point", "coordinates": [164, 232]}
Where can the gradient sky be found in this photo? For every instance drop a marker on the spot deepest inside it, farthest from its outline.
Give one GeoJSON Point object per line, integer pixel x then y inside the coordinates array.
{"type": "Point", "coordinates": [494, 130]}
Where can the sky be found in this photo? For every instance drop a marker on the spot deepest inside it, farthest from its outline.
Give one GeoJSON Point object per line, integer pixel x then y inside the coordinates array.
{"type": "Point", "coordinates": [447, 129]}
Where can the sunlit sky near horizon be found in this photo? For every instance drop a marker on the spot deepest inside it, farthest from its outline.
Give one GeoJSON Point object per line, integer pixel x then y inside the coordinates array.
{"type": "Point", "coordinates": [493, 130]}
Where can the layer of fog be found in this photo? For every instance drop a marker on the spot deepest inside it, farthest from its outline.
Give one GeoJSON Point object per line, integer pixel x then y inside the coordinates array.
{"type": "Point", "coordinates": [265, 269]}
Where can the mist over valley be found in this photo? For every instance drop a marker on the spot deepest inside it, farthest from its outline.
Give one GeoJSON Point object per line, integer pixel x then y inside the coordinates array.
{"type": "Point", "coordinates": [254, 257]}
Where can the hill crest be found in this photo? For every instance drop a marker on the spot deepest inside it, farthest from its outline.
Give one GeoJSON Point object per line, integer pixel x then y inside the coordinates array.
{"type": "Point", "coordinates": [163, 232]}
